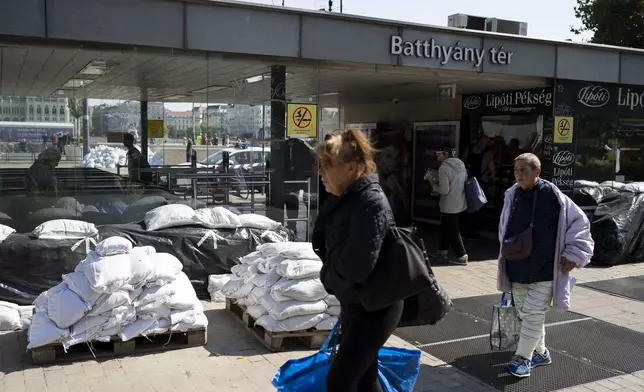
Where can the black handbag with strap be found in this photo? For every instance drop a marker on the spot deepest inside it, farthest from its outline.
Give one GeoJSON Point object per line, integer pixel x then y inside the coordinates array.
{"type": "Point", "coordinates": [403, 272]}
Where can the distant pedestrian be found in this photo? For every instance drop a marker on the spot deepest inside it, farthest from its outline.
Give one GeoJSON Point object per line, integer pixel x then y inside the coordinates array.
{"type": "Point", "coordinates": [188, 149]}
{"type": "Point", "coordinates": [544, 235]}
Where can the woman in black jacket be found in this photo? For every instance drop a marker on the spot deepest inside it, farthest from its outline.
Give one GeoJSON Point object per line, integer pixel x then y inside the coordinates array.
{"type": "Point", "coordinates": [348, 236]}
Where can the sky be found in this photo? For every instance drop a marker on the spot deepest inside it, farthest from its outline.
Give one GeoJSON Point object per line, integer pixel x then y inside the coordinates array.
{"type": "Point", "coordinates": [548, 19]}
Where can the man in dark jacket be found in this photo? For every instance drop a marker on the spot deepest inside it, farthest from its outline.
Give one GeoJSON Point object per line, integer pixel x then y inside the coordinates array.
{"type": "Point", "coordinates": [136, 161]}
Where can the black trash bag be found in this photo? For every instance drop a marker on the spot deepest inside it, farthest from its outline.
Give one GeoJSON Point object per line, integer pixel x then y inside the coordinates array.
{"type": "Point", "coordinates": [199, 258]}
{"type": "Point", "coordinates": [30, 266]}
{"type": "Point", "coordinates": [593, 196]}
{"type": "Point", "coordinates": [617, 228]}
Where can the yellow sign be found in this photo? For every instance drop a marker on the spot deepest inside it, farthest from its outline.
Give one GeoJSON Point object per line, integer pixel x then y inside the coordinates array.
{"type": "Point", "coordinates": [564, 129]}
{"type": "Point", "coordinates": [155, 129]}
{"type": "Point", "coordinates": [302, 120]}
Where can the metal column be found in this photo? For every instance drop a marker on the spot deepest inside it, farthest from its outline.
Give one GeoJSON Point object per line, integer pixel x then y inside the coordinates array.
{"type": "Point", "coordinates": [144, 128]}
{"type": "Point", "coordinates": [279, 150]}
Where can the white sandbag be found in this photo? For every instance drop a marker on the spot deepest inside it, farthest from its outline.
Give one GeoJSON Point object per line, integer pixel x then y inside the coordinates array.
{"type": "Point", "coordinates": [300, 290]}
{"type": "Point", "coordinates": [331, 300]}
{"type": "Point", "coordinates": [154, 310]}
{"type": "Point", "coordinates": [217, 296]}
{"type": "Point", "coordinates": [90, 324]}
{"type": "Point", "coordinates": [289, 250]}
{"type": "Point", "coordinates": [119, 317]}
{"type": "Point", "coordinates": [65, 307]}
{"type": "Point", "coordinates": [141, 267]}
{"type": "Point", "coordinates": [201, 322]}
{"type": "Point", "coordinates": [170, 215]}
{"type": "Point", "coordinates": [243, 291]}
{"type": "Point", "coordinates": [9, 317]}
{"type": "Point", "coordinates": [108, 273]}
{"type": "Point", "coordinates": [299, 269]}
{"type": "Point", "coordinates": [108, 333]}
{"type": "Point", "coordinates": [250, 258]}
{"type": "Point", "coordinates": [256, 311]}
{"type": "Point", "coordinates": [270, 263]}
{"type": "Point", "coordinates": [217, 282]}
{"type": "Point", "coordinates": [257, 293]}
{"type": "Point", "coordinates": [334, 310]}
{"type": "Point", "coordinates": [287, 309]}
{"type": "Point", "coordinates": [40, 304]}
{"type": "Point", "coordinates": [161, 326]}
{"type": "Point", "coordinates": [147, 249]}
{"type": "Point", "coordinates": [26, 314]}
{"type": "Point", "coordinates": [83, 338]}
{"type": "Point", "coordinates": [299, 323]}
{"type": "Point", "coordinates": [183, 316]}
{"type": "Point", "coordinates": [113, 246]}
{"type": "Point", "coordinates": [135, 329]}
{"type": "Point", "coordinates": [65, 228]}
{"type": "Point", "coordinates": [267, 302]}
{"type": "Point", "coordinates": [267, 280]}
{"type": "Point", "coordinates": [154, 294]}
{"type": "Point", "coordinates": [216, 218]}
{"type": "Point", "coordinates": [166, 267]}
{"type": "Point", "coordinates": [78, 283]}
{"type": "Point", "coordinates": [635, 187]}
{"type": "Point", "coordinates": [90, 258]}
{"type": "Point", "coordinates": [232, 286]}
{"type": "Point", "coordinates": [109, 301]}
{"type": "Point", "coordinates": [184, 296]}
{"type": "Point", "coordinates": [240, 270]}
{"type": "Point", "coordinates": [5, 231]}
{"type": "Point", "coordinates": [255, 221]}
{"type": "Point", "coordinates": [43, 331]}
{"type": "Point", "coordinates": [327, 324]}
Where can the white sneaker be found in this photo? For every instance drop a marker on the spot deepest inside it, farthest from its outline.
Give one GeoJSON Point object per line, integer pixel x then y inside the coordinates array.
{"type": "Point", "coordinates": [460, 261]}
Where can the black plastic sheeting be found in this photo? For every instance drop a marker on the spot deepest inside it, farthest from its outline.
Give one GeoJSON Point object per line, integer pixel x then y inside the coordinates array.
{"type": "Point", "coordinates": [30, 266]}
{"type": "Point", "coordinates": [617, 228]}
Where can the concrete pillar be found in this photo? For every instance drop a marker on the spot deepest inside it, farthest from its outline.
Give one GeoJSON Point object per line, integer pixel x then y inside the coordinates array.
{"type": "Point", "coordinates": [279, 149]}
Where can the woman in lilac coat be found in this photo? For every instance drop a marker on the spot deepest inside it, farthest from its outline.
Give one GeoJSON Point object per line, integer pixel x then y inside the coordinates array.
{"type": "Point", "coordinates": [561, 242]}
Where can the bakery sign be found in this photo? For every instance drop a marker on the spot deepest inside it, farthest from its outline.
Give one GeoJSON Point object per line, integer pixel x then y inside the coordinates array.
{"type": "Point", "coordinates": [522, 101]}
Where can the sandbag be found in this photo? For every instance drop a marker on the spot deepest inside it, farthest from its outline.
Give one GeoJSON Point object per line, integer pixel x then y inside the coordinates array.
{"type": "Point", "coordinates": [26, 314]}
{"type": "Point", "coordinates": [113, 246]}
{"type": "Point", "coordinates": [270, 263]}
{"type": "Point", "coordinates": [78, 283]}
{"type": "Point", "coordinates": [5, 231]}
{"type": "Point", "coordinates": [90, 324]}
{"type": "Point", "coordinates": [69, 203]}
{"type": "Point", "coordinates": [290, 250]}
{"type": "Point", "coordinates": [256, 221]}
{"type": "Point", "coordinates": [141, 267]}
{"type": "Point", "coordinates": [240, 270]}
{"type": "Point", "coordinates": [331, 300]}
{"type": "Point", "coordinates": [184, 296]}
{"type": "Point", "coordinates": [215, 284]}
{"type": "Point", "coordinates": [154, 310]}
{"type": "Point", "coordinates": [166, 267]}
{"type": "Point", "coordinates": [200, 322]}
{"type": "Point", "coordinates": [287, 309]}
{"type": "Point", "coordinates": [155, 294]}
{"type": "Point", "coordinates": [232, 286]}
{"type": "Point", "coordinates": [43, 331]}
{"type": "Point", "coordinates": [65, 307]}
{"type": "Point", "coordinates": [299, 269]}
{"type": "Point", "coordinates": [65, 228]}
{"type": "Point", "coordinates": [267, 280]}
{"type": "Point", "coordinates": [299, 290]}
{"type": "Point", "coordinates": [135, 329]}
{"type": "Point", "coordinates": [250, 258]}
{"type": "Point", "coordinates": [110, 301]}
{"type": "Point", "coordinates": [327, 324]}
{"type": "Point", "coordinates": [299, 323]}
{"type": "Point", "coordinates": [257, 293]}
{"type": "Point", "coordinates": [9, 317]}
{"type": "Point", "coordinates": [108, 273]}
{"type": "Point", "coordinates": [137, 210]}
{"type": "Point", "coordinates": [242, 292]}
{"type": "Point", "coordinates": [162, 326]}
{"type": "Point", "coordinates": [334, 310]}
{"type": "Point", "coordinates": [172, 215]}
{"type": "Point", "coordinates": [635, 187]}
{"type": "Point", "coordinates": [256, 311]}
{"type": "Point", "coordinates": [217, 218]}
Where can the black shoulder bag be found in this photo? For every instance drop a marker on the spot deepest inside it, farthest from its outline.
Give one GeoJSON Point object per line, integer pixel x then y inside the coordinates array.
{"type": "Point", "coordinates": [403, 272]}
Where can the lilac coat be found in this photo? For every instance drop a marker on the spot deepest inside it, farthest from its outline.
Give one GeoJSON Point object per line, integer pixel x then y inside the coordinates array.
{"type": "Point", "coordinates": [574, 243]}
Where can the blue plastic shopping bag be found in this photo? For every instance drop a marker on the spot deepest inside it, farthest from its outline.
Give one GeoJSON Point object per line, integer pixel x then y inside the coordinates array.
{"type": "Point", "coordinates": [397, 369]}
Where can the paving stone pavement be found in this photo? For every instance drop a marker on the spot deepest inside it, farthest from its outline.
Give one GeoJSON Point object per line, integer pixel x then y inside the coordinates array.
{"type": "Point", "coordinates": [233, 359]}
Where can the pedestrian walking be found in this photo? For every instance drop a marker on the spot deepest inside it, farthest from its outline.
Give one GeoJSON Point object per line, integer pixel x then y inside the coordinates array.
{"type": "Point", "coordinates": [348, 237]}
{"type": "Point", "coordinates": [544, 235]}
{"type": "Point", "coordinates": [452, 175]}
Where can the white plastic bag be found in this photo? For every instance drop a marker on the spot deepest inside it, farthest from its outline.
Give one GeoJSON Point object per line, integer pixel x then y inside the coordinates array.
{"type": "Point", "coordinates": [300, 290]}
{"type": "Point", "coordinates": [141, 267]}
{"type": "Point", "coordinates": [184, 296]}
{"type": "Point", "coordinates": [299, 323]}
{"type": "Point", "coordinates": [270, 263]}
{"type": "Point", "coordinates": [135, 329]}
{"type": "Point", "coordinates": [327, 324]}
{"type": "Point", "coordinates": [65, 228]}
{"type": "Point", "coordinates": [232, 286]}
{"type": "Point", "coordinates": [155, 294]}
{"type": "Point", "coordinates": [65, 307]}
{"type": "Point", "coordinates": [299, 269]}
{"type": "Point", "coordinates": [9, 317]}
{"type": "Point", "coordinates": [243, 291]}
{"type": "Point", "coordinates": [26, 314]}
{"type": "Point", "coordinates": [257, 293]}
{"type": "Point", "coordinates": [256, 221]}
{"type": "Point", "coordinates": [108, 273]}
{"type": "Point", "coordinates": [166, 267]}
{"type": "Point", "coordinates": [215, 284]}
{"type": "Point", "coordinates": [217, 218]}
{"type": "Point", "coordinates": [334, 310]}
{"type": "Point", "coordinates": [240, 270]}
{"type": "Point", "coordinates": [289, 250]}
{"type": "Point", "coordinates": [170, 215]}
{"type": "Point", "coordinates": [256, 311]}
{"type": "Point", "coordinates": [331, 300]}
{"type": "Point", "coordinates": [90, 324]}
{"type": "Point", "coordinates": [119, 317]}
{"type": "Point", "coordinates": [78, 283]}
{"type": "Point", "coordinates": [287, 309]}
{"type": "Point", "coordinates": [154, 310]}
{"type": "Point", "coordinates": [267, 280]}
{"type": "Point", "coordinates": [5, 231]}
{"type": "Point", "coordinates": [110, 301]}
{"type": "Point", "coordinates": [43, 331]}
{"type": "Point", "coordinates": [201, 322]}
{"type": "Point", "coordinates": [113, 246]}
{"type": "Point", "coordinates": [250, 258]}
{"type": "Point", "coordinates": [161, 326]}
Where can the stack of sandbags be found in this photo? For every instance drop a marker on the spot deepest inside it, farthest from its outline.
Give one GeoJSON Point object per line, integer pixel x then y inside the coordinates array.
{"type": "Point", "coordinates": [280, 287]}
{"type": "Point", "coordinates": [215, 284]}
{"type": "Point", "coordinates": [117, 290]}
{"type": "Point", "coordinates": [14, 317]}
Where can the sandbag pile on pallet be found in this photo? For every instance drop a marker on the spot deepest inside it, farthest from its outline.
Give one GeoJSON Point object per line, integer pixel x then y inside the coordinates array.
{"type": "Point", "coordinates": [280, 287]}
{"type": "Point", "coordinates": [118, 290]}
{"type": "Point", "coordinates": [14, 317]}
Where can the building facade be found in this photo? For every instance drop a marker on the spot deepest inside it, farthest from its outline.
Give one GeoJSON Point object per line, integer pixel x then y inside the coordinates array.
{"type": "Point", "coordinates": [34, 109]}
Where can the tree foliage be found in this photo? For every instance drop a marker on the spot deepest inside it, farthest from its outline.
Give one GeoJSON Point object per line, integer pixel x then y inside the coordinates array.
{"type": "Point", "coordinates": [612, 22]}
{"type": "Point", "coordinates": [75, 106]}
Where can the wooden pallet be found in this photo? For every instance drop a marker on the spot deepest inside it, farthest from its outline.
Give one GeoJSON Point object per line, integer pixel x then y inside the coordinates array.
{"type": "Point", "coordinates": [116, 347]}
{"type": "Point", "coordinates": [276, 341]}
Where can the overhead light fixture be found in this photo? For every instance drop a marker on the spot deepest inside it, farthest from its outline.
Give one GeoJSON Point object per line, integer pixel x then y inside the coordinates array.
{"type": "Point", "coordinates": [59, 92]}
{"type": "Point", "coordinates": [259, 78]}
{"type": "Point", "coordinates": [97, 68]}
{"type": "Point", "coordinates": [76, 83]}
{"type": "Point", "coordinates": [209, 89]}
